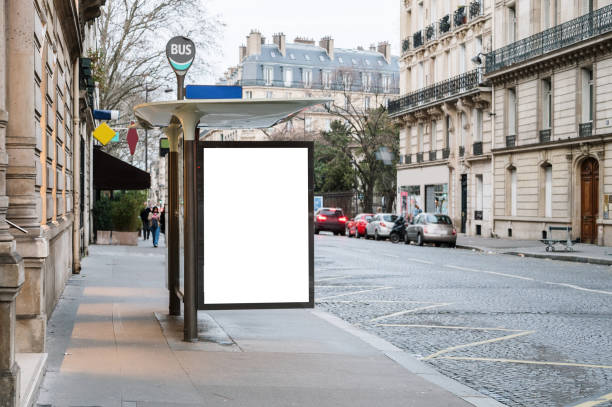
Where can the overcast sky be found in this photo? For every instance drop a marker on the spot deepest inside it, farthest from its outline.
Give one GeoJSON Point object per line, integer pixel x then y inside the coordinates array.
{"type": "Point", "coordinates": [349, 22]}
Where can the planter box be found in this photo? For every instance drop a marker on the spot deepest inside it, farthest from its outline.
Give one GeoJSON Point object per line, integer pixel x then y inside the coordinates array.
{"type": "Point", "coordinates": [107, 237]}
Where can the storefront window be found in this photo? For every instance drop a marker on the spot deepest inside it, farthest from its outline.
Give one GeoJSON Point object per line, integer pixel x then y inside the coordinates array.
{"type": "Point", "coordinates": [436, 198]}
{"type": "Point", "coordinates": [411, 197]}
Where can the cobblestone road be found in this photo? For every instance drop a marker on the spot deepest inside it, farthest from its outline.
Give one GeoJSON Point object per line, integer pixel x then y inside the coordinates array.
{"type": "Point", "coordinates": [526, 332]}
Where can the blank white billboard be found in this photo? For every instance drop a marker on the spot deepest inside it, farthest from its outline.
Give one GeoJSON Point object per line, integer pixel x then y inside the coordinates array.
{"type": "Point", "coordinates": [256, 240]}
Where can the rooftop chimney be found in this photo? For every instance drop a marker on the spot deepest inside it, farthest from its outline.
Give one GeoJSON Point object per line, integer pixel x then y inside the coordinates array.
{"type": "Point", "coordinates": [303, 40]}
{"type": "Point", "coordinates": [385, 49]}
{"type": "Point", "coordinates": [279, 40]}
{"type": "Point", "coordinates": [242, 53]}
{"type": "Point", "coordinates": [253, 43]}
{"type": "Point", "coordinates": [327, 43]}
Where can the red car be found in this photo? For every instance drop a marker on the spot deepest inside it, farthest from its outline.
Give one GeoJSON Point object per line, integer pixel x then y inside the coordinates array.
{"type": "Point", "coordinates": [357, 227]}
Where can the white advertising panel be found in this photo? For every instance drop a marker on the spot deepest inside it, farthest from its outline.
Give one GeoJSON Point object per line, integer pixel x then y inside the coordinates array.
{"type": "Point", "coordinates": [256, 225]}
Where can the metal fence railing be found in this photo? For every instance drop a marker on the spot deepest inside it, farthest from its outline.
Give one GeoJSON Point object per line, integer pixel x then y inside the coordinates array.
{"type": "Point", "coordinates": [585, 27]}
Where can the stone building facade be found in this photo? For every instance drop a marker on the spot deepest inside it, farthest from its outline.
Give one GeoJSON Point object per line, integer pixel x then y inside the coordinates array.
{"type": "Point", "coordinates": [45, 120]}
{"type": "Point", "coordinates": [551, 73]}
{"type": "Point", "coordinates": [445, 112]}
{"type": "Point", "coordinates": [364, 79]}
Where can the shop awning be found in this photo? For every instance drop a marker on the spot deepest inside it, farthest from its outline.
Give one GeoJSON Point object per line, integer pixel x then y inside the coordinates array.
{"type": "Point", "coordinates": [111, 173]}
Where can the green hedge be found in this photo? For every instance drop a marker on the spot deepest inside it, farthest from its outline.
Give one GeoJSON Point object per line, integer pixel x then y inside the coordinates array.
{"type": "Point", "coordinates": [121, 213]}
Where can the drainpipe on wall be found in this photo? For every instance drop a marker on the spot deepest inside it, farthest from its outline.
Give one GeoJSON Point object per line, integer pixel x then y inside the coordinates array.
{"type": "Point", "coordinates": [76, 172]}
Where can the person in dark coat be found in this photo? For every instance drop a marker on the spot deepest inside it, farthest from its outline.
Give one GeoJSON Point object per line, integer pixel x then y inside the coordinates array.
{"type": "Point", "coordinates": [162, 220]}
{"type": "Point", "coordinates": [144, 217]}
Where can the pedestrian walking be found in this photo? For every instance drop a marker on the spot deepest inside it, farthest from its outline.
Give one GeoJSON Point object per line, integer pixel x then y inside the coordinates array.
{"type": "Point", "coordinates": [154, 225]}
{"type": "Point", "coordinates": [144, 217]}
{"type": "Point", "coordinates": [162, 220]}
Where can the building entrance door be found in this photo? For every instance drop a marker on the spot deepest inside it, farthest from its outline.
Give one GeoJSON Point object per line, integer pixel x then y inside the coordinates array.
{"type": "Point", "coordinates": [464, 193]}
{"type": "Point", "coordinates": [589, 189]}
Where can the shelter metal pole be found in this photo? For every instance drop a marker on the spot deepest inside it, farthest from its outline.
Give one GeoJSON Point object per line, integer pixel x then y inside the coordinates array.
{"type": "Point", "coordinates": [174, 303]}
{"type": "Point", "coordinates": [189, 121]}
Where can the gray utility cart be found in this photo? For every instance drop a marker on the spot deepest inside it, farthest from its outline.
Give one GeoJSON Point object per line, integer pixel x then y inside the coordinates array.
{"type": "Point", "coordinates": [559, 245]}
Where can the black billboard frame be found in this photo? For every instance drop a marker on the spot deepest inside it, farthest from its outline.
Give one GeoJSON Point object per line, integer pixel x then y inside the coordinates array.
{"type": "Point", "coordinates": [200, 301]}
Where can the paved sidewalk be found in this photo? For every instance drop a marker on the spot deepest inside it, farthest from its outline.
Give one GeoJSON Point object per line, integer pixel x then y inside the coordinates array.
{"type": "Point", "coordinates": [583, 253]}
{"type": "Point", "coordinates": [111, 343]}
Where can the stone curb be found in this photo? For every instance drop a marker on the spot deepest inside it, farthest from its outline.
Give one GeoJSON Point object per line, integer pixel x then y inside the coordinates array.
{"type": "Point", "coordinates": [573, 259]}
{"type": "Point", "coordinates": [412, 364]}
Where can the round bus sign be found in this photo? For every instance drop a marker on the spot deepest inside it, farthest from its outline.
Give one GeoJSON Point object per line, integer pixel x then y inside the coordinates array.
{"type": "Point", "coordinates": [181, 53]}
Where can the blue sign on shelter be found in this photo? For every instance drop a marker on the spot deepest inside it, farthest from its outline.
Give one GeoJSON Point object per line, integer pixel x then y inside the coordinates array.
{"type": "Point", "coordinates": [213, 92]}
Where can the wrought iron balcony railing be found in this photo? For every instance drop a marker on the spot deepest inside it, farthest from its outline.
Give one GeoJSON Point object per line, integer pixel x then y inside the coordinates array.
{"type": "Point", "coordinates": [419, 157]}
{"type": "Point", "coordinates": [545, 136]}
{"type": "Point", "coordinates": [585, 129]}
{"type": "Point", "coordinates": [335, 85]}
{"type": "Point", "coordinates": [445, 153]}
{"type": "Point", "coordinates": [417, 39]}
{"type": "Point", "coordinates": [438, 91]}
{"type": "Point", "coordinates": [585, 27]}
{"type": "Point", "coordinates": [460, 16]}
{"type": "Point", "coordinates": [405, 45]}
{"type": "Point", "coordinates": [433, 155]}
{"type": "Point", "coordinates": [444, 25]}
{"type": "Point", "coordinates": [477, 148]}
{"type": "Point", "coordinates": [510, 141]}
{"type": "Point", "coordinates": [408, 159]}
{"type": "Point", "coordinates": [430, 32]}
{"type": "Point", "coordinates": [475, 9]}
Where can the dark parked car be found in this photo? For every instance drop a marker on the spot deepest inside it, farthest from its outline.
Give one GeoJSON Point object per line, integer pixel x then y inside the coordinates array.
{"type": "Point", "coordinates": [330, 220]}
{"type": "Point", "coordinates": [432, 228]}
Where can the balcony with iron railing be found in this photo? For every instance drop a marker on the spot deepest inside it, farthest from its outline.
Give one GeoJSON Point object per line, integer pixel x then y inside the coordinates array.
{"type": "Point", "coordinates": [545, 135]}
{"type": "Point", "coordinates": [585, 129]}
{"type": "Point", "coordinates": [332, 85]}
{"type": "Point", "coordinates": [439, 91]}
{"type": "Point", "coordinates": [445, 153]}
{"type": "Point", "coordinates": [511, 140]}
{"type": "Point", "coordinates": [423, 158]}
{"type": "Point", "coordinates": [419, 157]}
{"type": "Point", "coordinates": [477, 148]}
{"type": "Point", "coordinates": [433, 155]}
{"type": "Point", "coordinates": [450, 22]}
{"type": "Point", "coordinates": [572, 32]}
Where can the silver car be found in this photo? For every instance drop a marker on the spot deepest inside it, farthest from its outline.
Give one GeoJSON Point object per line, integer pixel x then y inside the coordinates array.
{"type": "Point", "coordinates": [380, 226]}
{"type": "Point", "coordinates": [429, 227]}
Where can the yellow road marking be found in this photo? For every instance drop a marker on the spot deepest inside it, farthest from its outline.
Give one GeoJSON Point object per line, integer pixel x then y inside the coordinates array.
{"type": "Point", "coordinates": [599, 400]}
{"type": "Point", "coordinates": [468, 328]}
{"type": "Point", "coordinates": [354, 292]}
{"type": "Point", "coordinates": [395, 314]}
{"type": "Point", "coordinates": [468, 345]}
{"type": "Point", "coordinates": [489, 272]}
{"type": "Point", "coordinates": [529, 362]}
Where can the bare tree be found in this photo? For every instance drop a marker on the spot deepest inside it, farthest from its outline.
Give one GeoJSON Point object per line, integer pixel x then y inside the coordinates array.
{"type": "Point", "coordinates": [367, 136]}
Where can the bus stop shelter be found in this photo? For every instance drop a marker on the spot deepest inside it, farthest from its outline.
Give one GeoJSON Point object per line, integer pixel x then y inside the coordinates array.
{"type": "Point", "coordinates": [189, 117]}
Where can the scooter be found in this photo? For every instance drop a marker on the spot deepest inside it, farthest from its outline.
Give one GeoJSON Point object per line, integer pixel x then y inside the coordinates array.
{"type": "Point", "coordinates": [398, 231]}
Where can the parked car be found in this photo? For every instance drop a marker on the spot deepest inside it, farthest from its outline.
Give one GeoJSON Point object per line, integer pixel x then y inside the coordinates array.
{"type": "Point", "coordinates": [357, 227]}
{"type": "Point", "coordinates": [431, 228]}
{"type": "Point", "coordinates": [380, 226]}
{"type": "Point", "coordinates": [330, 220]}
{"type": "Point", "coordinates": [398, 231]}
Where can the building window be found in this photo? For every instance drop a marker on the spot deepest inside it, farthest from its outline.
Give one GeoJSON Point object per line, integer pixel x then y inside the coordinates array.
{"type": "Point", "coordinates": [587, 95]}
{"type": "Point", "coordinates": [347, 102]}
{"type": "Point", "coordinates": [268, 95]}
{"type": "Point", "coordinates": [462, 56]}
{"type": "Point", "coordinates": [420, 137]}
{"type": "Point", "coordinates": [511, 125]}
{"type": "Point", "coordinates": [463, 129]}
{"type": "Point", "coordinates": [268, 75]}
{"type": "Point", "coordinates": [347, 80]}
{"type": "Point", "coordinates": [546, 14]}
{"type": "Point", "coordinates": [387, 83]}
{"type": "Point", "coordinates": [308, 124]}
{"type": "Point", "coordinates": [366, 103]}
{"type": "Point", "coordinates": [477, 113]}
{"type": "Point", "coordinates": [307, 78]}
{"type": "Point", "coordinates": [436, 199]}
{"type": "Point", "coordinates": [511, 24]}
{"type": "Point", "coordinates": [587, 6]}
{"type": "Point", "coordinates": [434, 135]}
{"type": "Point", "coordinates": [433, 12]}
{"type": "Point", "coordinates": [449, 64]}
{"type": "Point", "coordinates": [288, 77]}
{"type": "Point", "coordinates": [546, 104]}
{"type": "Point", "coordinates": [248, 94]}
{"type": "Point", "coordinates": [326, 78]}
{"type": "Point", "coordinates": [327, 124]}
{"type": "Point", "coordinates": [478, 46]}
{"type": "Point", "coordinates": [512, 192]}
{"type": "Point", "coordinates": [479, 193]}
{"type": "Point", "coordinates": [367, 81]}
{"type": "Point", "coordinates": [447, 130]}
{"type": "Point", "coordinates": [547, 178]}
